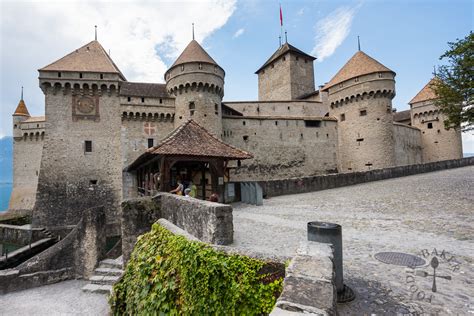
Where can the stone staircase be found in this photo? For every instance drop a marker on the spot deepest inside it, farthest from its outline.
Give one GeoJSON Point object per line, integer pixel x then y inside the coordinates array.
{"type": "Point", "coordinates": [105, 276]}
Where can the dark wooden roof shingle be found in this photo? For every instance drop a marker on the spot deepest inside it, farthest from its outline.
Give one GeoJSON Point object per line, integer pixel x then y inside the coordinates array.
{"type": "Point", "coordinates": [142, 89]}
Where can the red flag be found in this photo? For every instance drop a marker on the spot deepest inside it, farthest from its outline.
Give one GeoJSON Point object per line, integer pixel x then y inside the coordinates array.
{"type": "Point", "coordinates": [281, 17]}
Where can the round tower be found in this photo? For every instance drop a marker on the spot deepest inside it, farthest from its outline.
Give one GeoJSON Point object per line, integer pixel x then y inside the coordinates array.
{"type": "Point", "coordinates": [21, 114]}
{"type": "Point", "coordinates": [438, 143]}
{"type": "Point", "coordinates": [360, 97]}
{"type": "Point", "coordinates": [197, 82]}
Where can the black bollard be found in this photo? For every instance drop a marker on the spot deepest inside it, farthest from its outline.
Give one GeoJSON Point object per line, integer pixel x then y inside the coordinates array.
{"type": "Point", "coordinates": [329, 233]}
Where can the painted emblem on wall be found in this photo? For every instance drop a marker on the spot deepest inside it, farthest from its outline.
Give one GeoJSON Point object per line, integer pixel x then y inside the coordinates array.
{"type": "Point", "coordinates": [149, 128]}
{"type": "Point", "coordinates": [85, 108]}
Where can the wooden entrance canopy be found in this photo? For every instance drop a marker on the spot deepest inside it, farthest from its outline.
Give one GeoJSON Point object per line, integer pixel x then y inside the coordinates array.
{"type": "Point", "coordinates": [188, 143]}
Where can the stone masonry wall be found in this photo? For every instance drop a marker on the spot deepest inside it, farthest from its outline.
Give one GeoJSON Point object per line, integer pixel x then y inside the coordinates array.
{"type": "Point", "coordinates": [317, 183]}
{"type": "Point", "coordinates": [27, 152]}
{"type": "Point", "coordinates": [280, 108]}
{"type": "Point", "coordinates": [407, 145]}
{"type": "Point", "coordinates": [437, 142]}
{"type": "Point", "coordinates": [71, 179]}
{"type": "Point", "coordinates": [287, 78]}
{"type": "Point", "coordinates": [282, 148]}
{"type": "Point", "coordinates": [211, 222]}
{"type": "Point", "coordinates": [365, 138]}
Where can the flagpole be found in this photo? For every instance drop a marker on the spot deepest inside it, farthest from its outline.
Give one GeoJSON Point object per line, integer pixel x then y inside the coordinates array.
{"type": "Point", "coordinates": [281, 24]}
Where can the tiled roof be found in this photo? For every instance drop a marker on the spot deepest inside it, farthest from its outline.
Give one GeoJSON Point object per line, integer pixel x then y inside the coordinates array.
{"type": "Point", "coordinates": [360, 64]}
{"type": "Point", "coordinates": [89, 58]}
{"type": "Point", "coordinates": [191, 140]}
{"type": "Point", "coordinates": [21, 109]}
{"type": "Point", "coordinates": [402, 116]}
{"type": "Point", "coordinates": [193, 53]}
{"type": "Point", "coordinates": [141, 89]}
{"type": "Point", "coordinates": [283, 50]}
{"type": "Point", "coordinates": [427, 93]}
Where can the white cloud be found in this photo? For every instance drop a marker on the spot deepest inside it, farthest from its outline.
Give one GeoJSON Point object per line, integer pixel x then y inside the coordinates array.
{"type": "Point", "coordinates": [468, 142]}
{"type": "Point", "coordinates": [238, 33]}
{"type": "Point", "coordinates": [332, 31]}
{"type": "Point", "coordinates": [134, 31]}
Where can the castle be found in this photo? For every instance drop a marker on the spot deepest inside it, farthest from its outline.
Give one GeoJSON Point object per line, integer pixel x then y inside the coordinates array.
{"type": "Point", "coordinates": [97, 123]}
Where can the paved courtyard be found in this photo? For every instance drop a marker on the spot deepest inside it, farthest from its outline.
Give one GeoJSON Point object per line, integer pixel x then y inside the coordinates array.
{"type": "Point", "coordinates": [422, 215]}
{"type": "Point", "coordinates": [64, 298]}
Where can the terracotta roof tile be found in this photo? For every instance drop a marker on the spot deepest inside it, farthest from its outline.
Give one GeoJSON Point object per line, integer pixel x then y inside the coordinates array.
{"type": "Point", "coordinates": [21, 109]}
{"type": "Point", "coordinates": [427, 93]}
{"type": "Point", "coordinates": [281, 51]}
{"type": "Point", "coordinates": [141, 89]}
{"type": "Point", "coordinates": [193, 53]}
{"type": "Point", "coordinates": [360, 64]}
{"type": "Point", "coordinates": [89, 58]}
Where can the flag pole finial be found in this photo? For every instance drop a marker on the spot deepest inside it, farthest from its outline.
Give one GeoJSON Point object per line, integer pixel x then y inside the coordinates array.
{"type": "Point", "coordinates": [358, 42]}
{"type": "Point", "coordinates": [279, 38]}
{"type": "Point", "coordinates": [286, 36]}
{"type": "Point", "coordinates": [95, 32]}
{"type": "Point", "coordinates": [193, 31]}
{"type": "Point", "coordinates": [21, 93]}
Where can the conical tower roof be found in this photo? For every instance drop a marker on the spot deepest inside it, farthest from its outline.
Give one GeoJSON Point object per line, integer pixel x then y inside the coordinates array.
{"type": "Point", "coordinates": [21, 109]}
{"type": "Point", "coordinates": [194, 53]}
{"type": "Point", "coordinates": [360, 64]}
{"type": "Point", "coordinates": [89, 58]}
{"type": "Point", "coordinates": [427, 93]}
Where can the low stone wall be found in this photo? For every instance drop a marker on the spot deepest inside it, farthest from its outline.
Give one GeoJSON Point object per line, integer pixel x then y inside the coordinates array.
{"type": "Point", "coordinates": [20, 235]}
{"type": "Point", "coordinates": [309, 286]}
{"type": "Point", "coordinates": [210, 222]}
{"type": "Point", "coordinates": [317, 183]}
{"type": "Point", "coordinates": [75, 256]}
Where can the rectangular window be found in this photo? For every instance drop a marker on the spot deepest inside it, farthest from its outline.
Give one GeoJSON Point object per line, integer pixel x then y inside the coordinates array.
{"type": "Point", "coordinates": [312, 123]}
{"type": "Point", "coordinates": [363, 112]}
{"type": "Point", "coordinates": [151, 142]}
{"type": "Point", "coordinates": [129, 99]}
{"type": "Point", "coordinates": [430, 125]}
{"type": "Point", "coordinates": [88, 146]}
{"type": "Point", "coordinates": [143, 100]}
{"type": "Point", "coordinates": [343, 117]}
{"type": "Point", "coordinates": [161, 101]}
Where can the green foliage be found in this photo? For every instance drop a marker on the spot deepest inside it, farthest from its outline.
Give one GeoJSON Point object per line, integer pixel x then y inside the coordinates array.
{"type": "Point", "coordinates": [455, 87]}
{"type": "Point", "coordinates": [169, 275]}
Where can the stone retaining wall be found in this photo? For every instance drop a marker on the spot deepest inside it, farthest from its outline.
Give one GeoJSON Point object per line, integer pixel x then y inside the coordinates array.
{"type": "Point", "coordinates": [317, 183]}
{"type": "Point", "coordinates": [19, 235]}
{"type": "Point", "coordinates": [208, 221]}
{"type": "Point", "coordinates": [75, 256]}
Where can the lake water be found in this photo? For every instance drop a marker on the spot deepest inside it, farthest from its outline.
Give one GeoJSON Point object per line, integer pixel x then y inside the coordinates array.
{"type": "Point", "coordinates": [5, 190]}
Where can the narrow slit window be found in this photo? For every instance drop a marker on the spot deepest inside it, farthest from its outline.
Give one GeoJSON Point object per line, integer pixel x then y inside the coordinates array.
{"type": "Point", "coordinates": [430, 125]}
{"type": "Point", "coordinates": [151, 142]}
{"type": "Point", "coordinates": [343, 117]}
{"type": "Point", "coordinates": [363, 112]}
{"type": "Point", "coordinates": [143, 100]}
{"type": "Point", "coordinates": [88, 146]}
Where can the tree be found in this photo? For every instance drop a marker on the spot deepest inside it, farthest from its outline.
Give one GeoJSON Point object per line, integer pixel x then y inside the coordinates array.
{"type": "Point", "coordinates": [455, 87]}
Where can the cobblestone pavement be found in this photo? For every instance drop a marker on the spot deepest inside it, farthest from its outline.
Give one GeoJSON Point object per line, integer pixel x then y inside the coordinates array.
{"type": "Point", "coordinates": [64, 298]}
{"type": "Point", "coordinates": [422, 215]}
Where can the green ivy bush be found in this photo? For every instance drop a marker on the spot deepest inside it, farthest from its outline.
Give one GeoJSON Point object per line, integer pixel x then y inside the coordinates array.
{"type": "Point", "coordinates": [170, 275]}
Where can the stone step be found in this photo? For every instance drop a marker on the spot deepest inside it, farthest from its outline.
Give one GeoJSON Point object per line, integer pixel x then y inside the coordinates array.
{"type": "Point", "coordinates": [108, 271]}
{"type": "Point", "coordinates": [104, 279]}
{"type": "Point", "coordinates": [96, 288]}
{"type": "Point", "coordinates": [110, 263]}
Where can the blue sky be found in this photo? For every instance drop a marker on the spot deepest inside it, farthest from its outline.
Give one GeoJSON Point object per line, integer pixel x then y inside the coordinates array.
{"type": "Point", "coordinates": [146, 37]}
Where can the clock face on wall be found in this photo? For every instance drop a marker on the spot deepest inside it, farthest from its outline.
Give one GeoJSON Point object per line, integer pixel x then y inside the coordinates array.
{"type": "Point", "coordinates": [85, 105]}
{"type": "Point", "coordinates": [85, 108]}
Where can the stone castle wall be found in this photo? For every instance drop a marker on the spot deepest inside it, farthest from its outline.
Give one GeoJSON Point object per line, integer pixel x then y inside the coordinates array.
{"type": "Point", "coordinates": [27, 152]}
{"type": "Point", "coordinates": [280, 108]}
{"type": "Point", "coordinates": [287, 78]}
{"type": "Point", "coordinates": [437, 142]}
{"type": "Point", "coordinates": [282, 148]}
{"type": "Point", "coordinates": [71, 179]}
{"type": "Point", "coordinates": [408, 148]}
{"type": "Point", "coordinates": [363, 107]}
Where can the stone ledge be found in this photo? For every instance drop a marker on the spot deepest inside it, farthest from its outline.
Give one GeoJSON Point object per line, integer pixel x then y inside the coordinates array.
{"type": "Point", "coordinates": [309, 285]}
